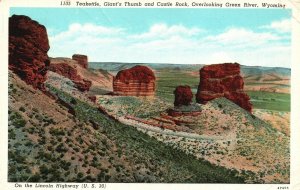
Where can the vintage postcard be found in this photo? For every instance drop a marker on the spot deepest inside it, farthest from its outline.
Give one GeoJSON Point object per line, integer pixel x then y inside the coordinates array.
{"type": "Point", "coordinates": [150, 94]}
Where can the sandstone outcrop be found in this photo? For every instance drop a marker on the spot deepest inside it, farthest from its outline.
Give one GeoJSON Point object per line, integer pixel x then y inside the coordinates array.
{"type": "Point", "coordinates": [223, 80]}
{"type": "Point", "coordinates": [178, 113]}
{"type": "Point", "coordinates": [82, 60]}
{"type": "Point", "coordinates": [28, 47]}
{"type": "Point", "coordinates": [136, 81]}
{"type": "Point", "coordinates": [99, 80]}
{"type": "Point", "coordinates": [69, 71]}
{"type": "Point", "coordinates": [65, 70]}
{"type": "Point", "coordinates": [183, 95]}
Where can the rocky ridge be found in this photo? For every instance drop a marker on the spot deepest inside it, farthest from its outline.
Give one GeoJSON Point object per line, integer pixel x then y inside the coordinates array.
{"type": "Point", "coordinates": [82, 60]}
{"type": "Point", "coordinates": [68, 69]}
{"type": "Point", "coordinates": [28, 47]}
{"type": "Point", "coordinates": [183, 95]}
{"type": "Point", "coordinates": [136, 81]}
{"type": "Point", "coordinates": [222, 80]}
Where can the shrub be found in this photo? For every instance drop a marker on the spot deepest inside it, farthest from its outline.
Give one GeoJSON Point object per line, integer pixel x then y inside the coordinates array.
{"type": "Point", "coordinates": [44, 169]}
{"type": "Point", "coordinates": [34, 178]}
{"type": "Point", "coordinates": [35, 110]}
{"type": "Point", "coordinates": [50, 148]}
{"type": "Point", "coordinates": [22, 109]}
{"type": "Point", "coordinates": [11, 135]}
{"type": "Point", "coordinates": [80, 175]}
{"type": "Point", "coordinates": [61, 148]}
{"type": "Point", "coordinates": [17, 120]}
{"type": "Point", "coordinates": [57, 131]}
{"type": "Point", "coordinates": [28, 143]}
{"type": "Point", "coordinates": [107, 177]}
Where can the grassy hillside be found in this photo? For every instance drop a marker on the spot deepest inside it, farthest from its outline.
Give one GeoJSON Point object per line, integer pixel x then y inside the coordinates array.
{"type": "Point", "coordinates": [270, 100]}
{"type": "Point", "coordinates": [47, 144]}
{"type": "Point", "coordinates": [230, 136]}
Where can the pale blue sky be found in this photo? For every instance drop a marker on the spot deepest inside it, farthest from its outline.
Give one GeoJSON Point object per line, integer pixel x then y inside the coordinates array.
{"type": "Point", "coordinates": [138, 20]}
{"type": "Point", "coordinates": [249, 36]}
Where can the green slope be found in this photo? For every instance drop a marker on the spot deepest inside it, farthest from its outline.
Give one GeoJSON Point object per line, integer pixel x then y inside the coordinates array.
{"type": "Point", "coordinates": [181, 167]}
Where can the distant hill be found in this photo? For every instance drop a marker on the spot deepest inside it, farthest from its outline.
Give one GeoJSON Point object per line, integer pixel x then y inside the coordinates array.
{"type": "Point", "coordinates": [257, 70]}
{"type": "Point", "coordinates": [246, 70]}
{"type": "Point", "coordinates": [117, 66]}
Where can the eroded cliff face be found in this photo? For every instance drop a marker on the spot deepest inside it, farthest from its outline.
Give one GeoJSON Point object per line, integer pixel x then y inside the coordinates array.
{"type": "Point", "coordinates": [222, 80]}
{"type": "Point", "coordinates": [82, 60]}
{"type": "Point", "coordinates": [183, 95]}
{"type": "Point", "coordinates": [28, 47]}
{"type": "Point", "coordinates": [136, 81]}
{"type": "Point", "coordinates": [67, 68]}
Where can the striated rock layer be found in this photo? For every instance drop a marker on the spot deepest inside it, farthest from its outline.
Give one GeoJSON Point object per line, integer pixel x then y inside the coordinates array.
{"type": "Point", "coordinates": [82, 60]}
{"type": "Point", "coordinates": [68, 71]}
{"type": "Point", "coordinates": [183, 95]}
{"type": "Point", "coordinates": [136, 81]}
{"type": "Point", "coordinates": [223, 80]}
{"type": "Point", "coordinates": [176, 113]}
{"type": "Point", "coordinates": [28, 47]}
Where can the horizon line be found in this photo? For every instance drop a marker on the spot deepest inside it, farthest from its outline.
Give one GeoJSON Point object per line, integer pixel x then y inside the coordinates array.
{"type": "Point", "coordinates": [184, 63]}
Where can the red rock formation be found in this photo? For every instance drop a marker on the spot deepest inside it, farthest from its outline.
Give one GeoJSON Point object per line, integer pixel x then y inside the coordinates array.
{"type": "Point", "coordinates": [178, 121]}
{"type": "Point", "coordinates": [223, 80]}
{"type": "Point", "coordinates": [161, 125]}
{"type": "Point", "coordinates": [70, 72]}
{"type": "Point", "coordinates": [178, 113]}
{"type": "Point", "coordinates": [81, 59]}
{"type": "Point", "coordinates": [28, 47]}
{"type": "Point", "coordinates": [83, 85]}
{"type": "Point", "coordinates": [183, 95]}
{"type": "Point", "coordinates": [65, 70]}
{"type": "Point", "coordinates": [136, 81]}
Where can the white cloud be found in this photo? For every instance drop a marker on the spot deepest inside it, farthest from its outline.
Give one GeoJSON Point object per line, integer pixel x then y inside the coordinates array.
{"type": "Point", "coordinates": [162, 30]}
{"type": "Point", "coordinates": [282, 26]}
{"type": "Point", "coordinates": [172, 44]}
{"type": "Point", "coordinates": [242, 37]}
{"type": "Point", "coordinates": [76, 30]}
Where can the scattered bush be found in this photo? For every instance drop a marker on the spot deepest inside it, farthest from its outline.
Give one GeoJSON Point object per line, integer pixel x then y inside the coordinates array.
{"type": "Point", "coordinates": [22, 109]}
{"type": "Point", "coordinates": [80, 175]}
{"type": "Point", "coordinates": [17, 120]}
